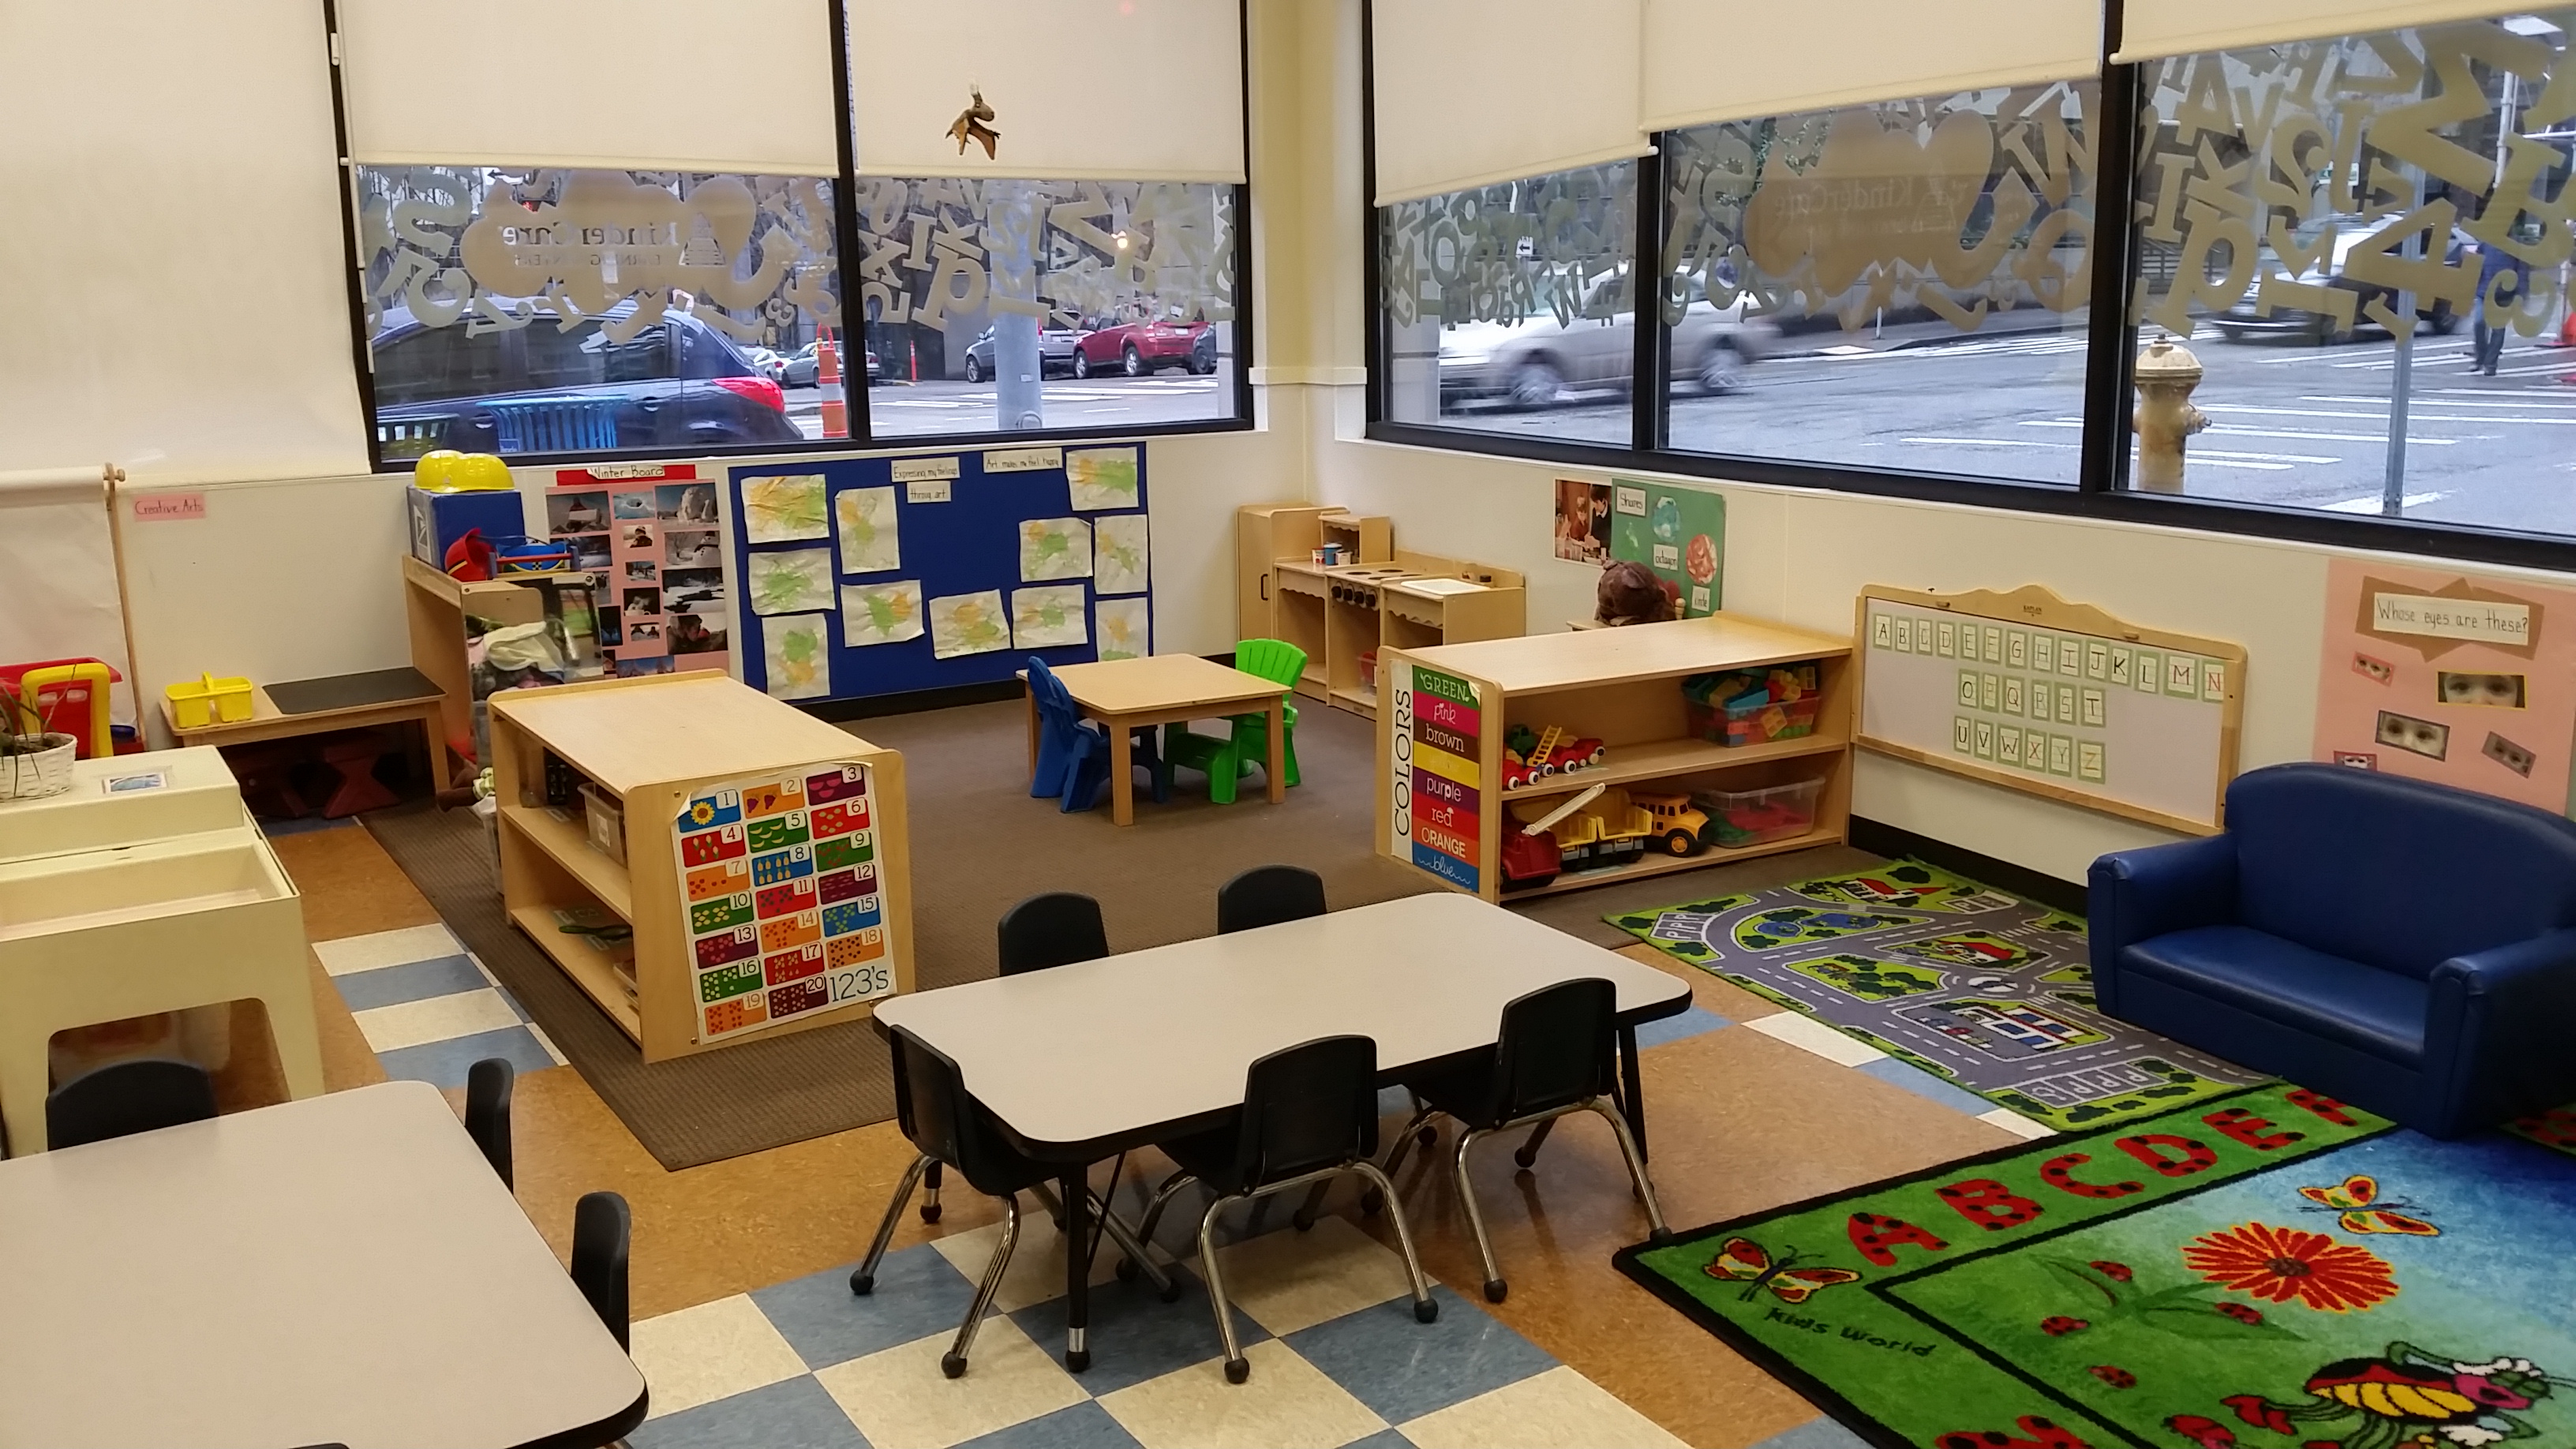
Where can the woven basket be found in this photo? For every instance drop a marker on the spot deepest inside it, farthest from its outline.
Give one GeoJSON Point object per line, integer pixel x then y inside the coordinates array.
{"type": "Point", "coordinates": [33, 765]}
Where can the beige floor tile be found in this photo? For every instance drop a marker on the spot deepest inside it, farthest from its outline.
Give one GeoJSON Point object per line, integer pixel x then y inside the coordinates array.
{"type": "Point", "coordinates": [1553, 1410]}
{"type": "Point", "coordinates": [900, 1399]}
{"type": "Point", "coordinates": [1036, 1273]}
{"type": "Point", "coordinates": [715, 1350]}
{"type": "Point", "coordinates": [1290, 1280]}
{"type": "Point", "coordinates": [435, 1018]}
{"type": "Point", "coordinates": [387, 948]}
{"type": "Point", "coordinates": [1288, 1403]}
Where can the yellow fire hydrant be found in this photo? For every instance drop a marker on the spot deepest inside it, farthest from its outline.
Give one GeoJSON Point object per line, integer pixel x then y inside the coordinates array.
{"type": "Point", "coordinates": [2165, 376]}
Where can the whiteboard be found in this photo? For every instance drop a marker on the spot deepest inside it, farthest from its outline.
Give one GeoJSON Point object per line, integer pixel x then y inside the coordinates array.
{"type": "Point", "coordinates": [2062, 700]}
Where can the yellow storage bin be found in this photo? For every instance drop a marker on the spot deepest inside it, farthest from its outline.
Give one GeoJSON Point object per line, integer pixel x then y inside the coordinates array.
{"type": "Point", "coordinates": [209, 700]}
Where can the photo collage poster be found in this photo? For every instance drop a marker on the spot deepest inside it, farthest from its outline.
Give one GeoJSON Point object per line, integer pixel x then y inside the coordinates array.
{"type": "Point", "coordinates": [784, 912]}
{"type": "Point", "coordinates": [649, 532]}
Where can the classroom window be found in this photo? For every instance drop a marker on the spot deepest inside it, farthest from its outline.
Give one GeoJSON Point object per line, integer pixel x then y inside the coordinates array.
{"type": "Point", "coordinates": [1900, 286]}
{"type": "Point", "coordinates": [2364, 242]}
{"type": "Point", "coordinates": [1016, 306]}
{"type": "Point", "coordinates": [550, 310]}
{"type": "Point", "coordinates": [1511, 308]}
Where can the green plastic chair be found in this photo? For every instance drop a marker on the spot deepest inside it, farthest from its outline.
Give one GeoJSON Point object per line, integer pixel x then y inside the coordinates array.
{"type": "Point", "coordinates": [1247, 748]}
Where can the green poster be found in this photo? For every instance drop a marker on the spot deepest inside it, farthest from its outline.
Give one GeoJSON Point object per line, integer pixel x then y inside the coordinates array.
{"type": "Point", "coordinates": [1678, 532]}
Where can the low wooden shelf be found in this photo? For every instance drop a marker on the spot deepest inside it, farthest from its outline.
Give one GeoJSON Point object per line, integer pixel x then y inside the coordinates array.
{"type": "Point", "coordinates": [1619, 686]}
{"type": "Point", "coordinates": [653, 743]}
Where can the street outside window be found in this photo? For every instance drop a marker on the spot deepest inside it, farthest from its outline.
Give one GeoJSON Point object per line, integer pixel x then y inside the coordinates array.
{"type": "Point", "coordinates": [541, 311]}
{"type": "Point", "coordinates": [1016, 306]}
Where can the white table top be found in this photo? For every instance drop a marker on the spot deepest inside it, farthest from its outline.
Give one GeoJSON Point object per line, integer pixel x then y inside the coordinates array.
{"type": "Point", "coordinates": [1080, 1053]}
{"type": "Point", "coordinates": [346, 1268]}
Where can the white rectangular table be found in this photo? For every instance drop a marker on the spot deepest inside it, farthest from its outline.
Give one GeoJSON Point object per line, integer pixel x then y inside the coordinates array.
{"type": "Point", "coordinates": [1080, 1062]}
{"type": "Point", "coordinates": [343, 1269]}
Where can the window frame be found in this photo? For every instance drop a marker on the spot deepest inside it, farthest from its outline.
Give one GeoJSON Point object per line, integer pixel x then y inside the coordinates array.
{"type": "Point", "coordinates": [862, 439]}
{"type": "Point", "coordinates": [2101, 492]}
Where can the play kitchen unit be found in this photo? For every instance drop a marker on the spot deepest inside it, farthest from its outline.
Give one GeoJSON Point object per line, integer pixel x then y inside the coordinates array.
{"type": "Point", "coordinates": [1523, 766]}
{"type": "Point", "coordinates": [1334, 585]}
{"type": "Point", "coordinates": [707, 863]}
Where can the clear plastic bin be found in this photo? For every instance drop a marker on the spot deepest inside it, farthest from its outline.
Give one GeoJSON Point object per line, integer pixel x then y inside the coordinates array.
{"type": "Point", "coordinates": [604, 816]}
{"type": "Point", "coordinates": [1738, 818]}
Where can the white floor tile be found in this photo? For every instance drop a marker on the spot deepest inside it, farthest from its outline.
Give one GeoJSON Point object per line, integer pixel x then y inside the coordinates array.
{"type": "Point", "coordinates": [386, 948]}
{"type": "Point", "coordinates": [2017, 1124]}
{"type": "Point", "coordinates": [1808, 1034]}
{"type": "Point", "coordinates": [1288, 1403]}
{"type": "Point", "coordinates": [1036, 1273]}
{"type": "Point", "coordinates": [548, 1043]}
{"type": "Point", "coordinates": [713, 1351]}
{"type": "Point", "coordinates": [1546, 1411]}
{"type": "Point", "coordinates": [435, 1018]}
{"type": "Point", "coordinates": [900, 1398]}
{"type": "Point", "coordinates": [1287, 1280]}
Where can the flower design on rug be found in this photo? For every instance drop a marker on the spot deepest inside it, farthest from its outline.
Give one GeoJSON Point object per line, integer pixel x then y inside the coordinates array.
{"type": "Point", "coordinates": [2280, 1264]}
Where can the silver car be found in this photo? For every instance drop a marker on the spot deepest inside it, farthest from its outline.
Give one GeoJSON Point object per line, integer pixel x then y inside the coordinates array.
{"type": "Point", "coordinates": [1535, 361]}
{"type": "Point", "coordinates": [1055, 352]}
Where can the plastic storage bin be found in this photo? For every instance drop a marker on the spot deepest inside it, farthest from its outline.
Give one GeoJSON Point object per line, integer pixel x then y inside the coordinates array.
{"type": "Point", "coordinates": [604, 816]}
{"type": "Point", "coordinates": [207, 700]}
{"type": "Point", "coordinates": [1738, 818]}
{"type": "Point", "coordinates": [1752, 707]}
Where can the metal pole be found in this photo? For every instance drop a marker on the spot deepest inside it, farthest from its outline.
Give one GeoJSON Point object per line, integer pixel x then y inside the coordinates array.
{"type": "Point", "coordinates": [1012, 218]}
{"type": "Point", "coordinates": [2392, 487]}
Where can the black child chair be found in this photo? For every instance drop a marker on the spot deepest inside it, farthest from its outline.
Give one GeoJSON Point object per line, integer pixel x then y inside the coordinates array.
{"type": "Point", "coordinates": [1055, 929]}
{"type": "Point", "coordinates": [126, 1097]}
{"type": "Point", "coordinates": [603, 1228]}
{"type": "Point", "coordinates": [1267, 895]}
{"type": "Point", "coordinates": [1555, 1054]}
{"type": "Point", "coordinates": [488, 1085]}
{"type": "Point", "coordinates": [1309, 1115]}
{"type": "Point", "coordinates": [949, 1127]}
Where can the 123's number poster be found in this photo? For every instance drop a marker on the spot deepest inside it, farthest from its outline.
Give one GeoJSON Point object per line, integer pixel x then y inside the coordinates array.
{"type": "Point", "coordinates": [784, 913]}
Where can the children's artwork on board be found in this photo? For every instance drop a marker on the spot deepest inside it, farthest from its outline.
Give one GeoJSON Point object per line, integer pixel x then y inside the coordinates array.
{"type": "Point", "coordinates": [784, 508]}
{"type": "Point", "coordinates": [868, 541]}
{"type": "Point", "coordinates": [797, 649]}
{"type": "Point", "coordinates": [1122, 627]}
{"type": "Point", "coordinates": [1118, 554]}
{"type": "Point", "coordinates": [1054, 548]}
{"type": "Point", "coordinates": [1101, 479]}
{"type": "Point", "coordinates": [1582, 521]}
{"type": "Point", "coordinates": [792, 582]}
{"type": "Point", "coordinates": [2449, 677]}
{"type": "Point", "coordinates": [880, 613]}
{"type": "Point", "coordinates": [1048, 617]}
{"type": "Point", "coordinates": [968, 624]}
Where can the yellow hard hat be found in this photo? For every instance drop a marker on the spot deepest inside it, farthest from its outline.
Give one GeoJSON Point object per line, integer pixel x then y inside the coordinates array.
{"type": "Point", "coordinates": [479, 473]}
{"type": "Point", "coordinates": [435, 471]}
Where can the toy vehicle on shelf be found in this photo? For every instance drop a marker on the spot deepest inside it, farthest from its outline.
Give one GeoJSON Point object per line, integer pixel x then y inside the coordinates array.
{"type": "Point", "coordinates": [1530, 756]}
{"type": "Point", "coordinates": [1529, 861]}
{"type": "Point", "coordinates": [1595, 830]}
{"type": "Point", "coordinates": [1684, 827]}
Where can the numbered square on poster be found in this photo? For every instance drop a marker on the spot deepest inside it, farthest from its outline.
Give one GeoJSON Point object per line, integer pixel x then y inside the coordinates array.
{"type": "Point", "coordinates": [775, 799]}
{"type": "Point", "coordinates": [779, 865]}
{"type": "Point", "coordinates": [786, 931]}
{"type": "Point", "coordinates": [787, 899]}
{"type": "Point", "coordinates": [723, 807]}
{"type": "Point", "coordinates": [777, 830]}
{"type": "Point", "coordinates": [849, 916]}
{"type": "Point", "coordinates": [854, 849]}
{"type": "Point", "coordinates": [708, 847]}
{"type": "Point", "coordinates": [845, 783]}
{"type": "Point", "coordinates": [801, 996]}
{"type": "Point", "coordinates": [733, 1015]}
{"type": "Point", "coordinates": [847, 885]}
{"type": "Point", "coordinates": [867, 945]}
{"type": "Point", "coordinates": [721, 914]}
{"type": "Point", "coordinates": [793, 965]}
{"type": "Point", "coordinates": [731, 980]}
{"type": "Point", "coordinates": [724, 878]}
{"type": "Point", "coordinates": [840, 819]}
{"type": "Point", "coordinates": [714, 951]}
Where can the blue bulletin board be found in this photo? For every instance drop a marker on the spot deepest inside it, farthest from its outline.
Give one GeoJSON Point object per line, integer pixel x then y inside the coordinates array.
{"type": "Point", "coordinates": [882, 575]}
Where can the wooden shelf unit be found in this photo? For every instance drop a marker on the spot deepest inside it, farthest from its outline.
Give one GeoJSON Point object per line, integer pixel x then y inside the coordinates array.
{"type": "Point", "coordinates": [1412, 601]}
{"type": "Point", "coordinates": [436, 608]}
{"type": "Point", "coordinates": [1622, 687]}
{"type": "Point", "coordinates": [652, 742]}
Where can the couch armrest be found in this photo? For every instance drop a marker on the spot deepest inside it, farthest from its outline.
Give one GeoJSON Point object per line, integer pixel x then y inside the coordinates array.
{"type": "Point", "coordinates": [2136, 895]}
{"type": "Point", "coordinates": [2499, 1028]}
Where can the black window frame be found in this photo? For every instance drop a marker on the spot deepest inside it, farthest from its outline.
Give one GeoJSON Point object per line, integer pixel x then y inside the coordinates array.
{"type": "Point", "coordinates": [862, 439]}
{"type": "Point", "coordinates": [2101, 490]}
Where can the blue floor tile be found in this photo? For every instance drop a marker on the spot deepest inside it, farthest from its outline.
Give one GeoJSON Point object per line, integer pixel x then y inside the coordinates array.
{"type": "Point", "coordinates": [1382, 1439]}
{"type": "Point", "coordinates": [1135, 1336]}
{"type": "Point", "coordinates": [1083, 1426]}
{"type": "Point", "coordinates": [1403, 1369]}
{"type": "Point", "coordinates": [1923, 1084]}
{"type": "Point", "coordinates": [305, 826]}
{"type": "Point", "coordinates": [417, 981]}
{"type": "Point", "coordinates": [1820, 1433]}
{"type": "Point", "coordinates": [794, 1414]}
{"type": "Point", "coordinates": [918, 1293]}
{"type": "Point", "coordinates": [1675, 1028]}
{"type": "Point", "coordinates": [443, 1064]}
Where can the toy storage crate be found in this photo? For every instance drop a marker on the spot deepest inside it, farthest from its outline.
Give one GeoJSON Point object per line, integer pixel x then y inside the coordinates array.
{"type": "Point", "coordinates": [1739, 818]}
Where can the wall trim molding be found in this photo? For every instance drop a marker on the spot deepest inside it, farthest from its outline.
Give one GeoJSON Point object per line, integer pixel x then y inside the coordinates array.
{"type": "Point", "coordinates": [1894, 841]}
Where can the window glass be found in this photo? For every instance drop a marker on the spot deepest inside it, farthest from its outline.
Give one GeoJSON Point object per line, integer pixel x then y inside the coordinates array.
{"type": "Point", "coordinates": [1020, 305]}
{"type": "Point", "coordinates": [1511, 308]}
{"type": "Point", "coordinates": [554, 310]}
{"type": "Point", "coordinates": [1896, 286]}
{"type": "Point", "coordinates": [2362, 242]}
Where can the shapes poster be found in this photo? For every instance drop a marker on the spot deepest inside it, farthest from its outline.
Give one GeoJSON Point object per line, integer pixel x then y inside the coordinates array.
{"type": "Point", "coordinates": [1680, 534]}
{"type": "Point", "coordinates": [880, 613]}
{"type": "Point", "coordinates": [2448, 677]}
{"type": "Point", "coordinates": [1123, 628]}
{"type": "Point", "coordinates": [790, 582]}
{"type": "Point", "coordinates": [784, 914]}
{"type": "Point", "coordinates": [648, 534]}
{"type": "Point", "coordinates": [1048, 617]}
{"type": "Point", "coordinates": [1101, 478]}
{"type": "Point", "coordinates": [783, 509]}
{"type": "Point", "coordinates": [1054, 548]}
{"type": "Point", "coordinates": [797, 652]}
{"type": "Point", "coordinates": [969, 624]}
{"type": "Point", "coordinates": [1118, 554]}
{"type": "Point", "coordinates": [868, 540]}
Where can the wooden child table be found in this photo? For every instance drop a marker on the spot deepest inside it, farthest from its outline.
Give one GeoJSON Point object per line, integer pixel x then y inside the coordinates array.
{"type": "Point", "coordinates": [1131, 694]}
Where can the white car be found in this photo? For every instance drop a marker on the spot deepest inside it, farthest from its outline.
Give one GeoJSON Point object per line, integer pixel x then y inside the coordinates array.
{"type": "Point", "coordinates": [1537, 360]}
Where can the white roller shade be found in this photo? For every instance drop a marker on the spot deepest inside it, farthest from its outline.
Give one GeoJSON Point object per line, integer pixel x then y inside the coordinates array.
{"type": "Point", "coordinates": [1709, 61]}
{"type": "Point", "coordinates": [1471, 92]}
{"type": "Point", "coordinates": [177, 261]}
{"type": "Point", "coordinates": [647, 85]}
{"type": "Point", "coordinates": [1081, 90]}
{"type": "Point", "coordinates": [2153, 29]}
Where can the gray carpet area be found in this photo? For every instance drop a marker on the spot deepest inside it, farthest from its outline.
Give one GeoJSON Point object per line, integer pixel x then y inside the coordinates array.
{"type": "Point", "coordinates": [979, 843]}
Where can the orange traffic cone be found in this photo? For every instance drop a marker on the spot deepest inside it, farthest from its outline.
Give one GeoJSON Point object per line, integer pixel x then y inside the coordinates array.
{"type": "Point", "coordinates": [827, 382]}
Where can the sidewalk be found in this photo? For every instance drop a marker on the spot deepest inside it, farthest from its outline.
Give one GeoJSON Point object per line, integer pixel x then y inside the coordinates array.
{"type": "Point", "coordinates": [1897, 336]}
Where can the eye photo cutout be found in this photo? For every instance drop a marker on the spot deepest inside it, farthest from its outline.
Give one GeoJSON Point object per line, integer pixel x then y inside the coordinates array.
{"type": "Point", "coordinates": [2418, 736]}
{"type": "Point", "coordinates": [2495, 691]}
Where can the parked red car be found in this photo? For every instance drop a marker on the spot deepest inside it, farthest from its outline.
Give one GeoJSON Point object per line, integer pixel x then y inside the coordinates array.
{"type": "Point", "coordinates": [1137, 348]}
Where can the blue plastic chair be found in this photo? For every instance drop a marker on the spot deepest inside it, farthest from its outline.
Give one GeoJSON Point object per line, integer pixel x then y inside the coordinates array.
{"type": "Point", "coordinates": [1073, 753]}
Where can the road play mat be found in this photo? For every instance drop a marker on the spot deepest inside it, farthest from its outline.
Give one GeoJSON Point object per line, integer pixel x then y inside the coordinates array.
{"type": "Point", "coordinates": [2269, 1269]}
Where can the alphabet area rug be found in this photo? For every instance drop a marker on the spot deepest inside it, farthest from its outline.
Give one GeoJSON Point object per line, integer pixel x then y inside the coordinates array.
{"type": "Point", "coordinates": [2270, 1269]}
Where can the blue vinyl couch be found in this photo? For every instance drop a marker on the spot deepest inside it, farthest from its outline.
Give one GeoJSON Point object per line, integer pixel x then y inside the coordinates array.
{"type": "Point", "coordinates": [2405, 947]}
